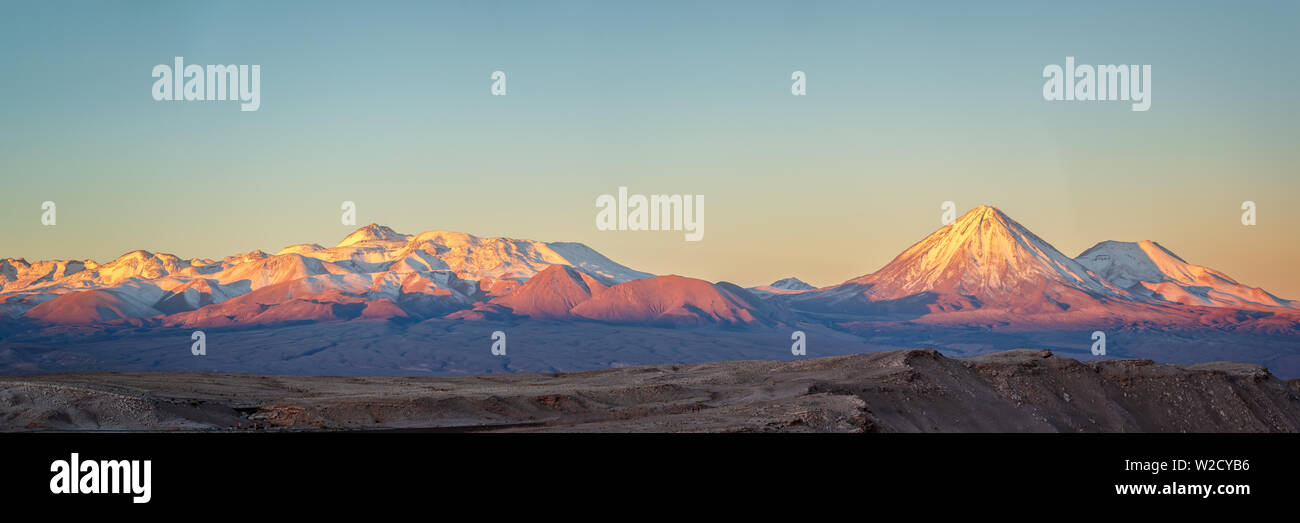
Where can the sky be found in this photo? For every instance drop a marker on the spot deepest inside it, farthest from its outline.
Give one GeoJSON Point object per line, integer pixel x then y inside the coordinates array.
{"type": "Point", "coordinates": [389, 105]}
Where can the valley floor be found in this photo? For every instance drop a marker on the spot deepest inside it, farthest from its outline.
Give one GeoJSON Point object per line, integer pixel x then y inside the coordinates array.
{"type": "Point", "coordinates": [440, 347]}
{"type": "Point", "coordinates": [916, 390]}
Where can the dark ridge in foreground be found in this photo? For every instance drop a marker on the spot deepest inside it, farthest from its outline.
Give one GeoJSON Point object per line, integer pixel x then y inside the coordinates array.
{"type": "Point", "coordinates": [916, 390]}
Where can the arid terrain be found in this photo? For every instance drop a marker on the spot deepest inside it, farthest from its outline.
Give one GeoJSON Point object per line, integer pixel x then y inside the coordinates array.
{"type": "Point", "coordinates": [916, 390]}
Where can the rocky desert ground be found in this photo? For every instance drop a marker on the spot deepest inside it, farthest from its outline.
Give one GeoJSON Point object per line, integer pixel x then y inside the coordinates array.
{"type": "Point", "coordinates": [916, 390]}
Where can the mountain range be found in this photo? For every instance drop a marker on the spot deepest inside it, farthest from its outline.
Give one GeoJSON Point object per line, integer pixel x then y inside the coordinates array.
{"type": "Point", "coordinates": [984, 271]}
{"type": "Point", "coordinates": [373, 272]}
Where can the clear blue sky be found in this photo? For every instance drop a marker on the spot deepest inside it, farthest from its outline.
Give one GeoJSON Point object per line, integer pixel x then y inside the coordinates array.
{"type": "Point", "coordinates": [909, 104]}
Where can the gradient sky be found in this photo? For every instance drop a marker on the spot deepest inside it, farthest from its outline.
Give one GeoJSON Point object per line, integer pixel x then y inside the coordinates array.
{"type": "Point", "coordinates": [388, 105]}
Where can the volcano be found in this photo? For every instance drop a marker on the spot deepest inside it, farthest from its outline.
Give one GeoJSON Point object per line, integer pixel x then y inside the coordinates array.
{"type": "Point", "coordinates": [1148, 270]}
{"type": "Point", "coordinates": [983, 260]}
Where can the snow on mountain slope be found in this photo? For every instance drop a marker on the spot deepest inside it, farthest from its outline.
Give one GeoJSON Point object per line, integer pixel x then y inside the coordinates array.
{"type": "Point", "coordinates": [431, 273]}
{"type": "Point", "coordinates": [321, 297]}
{"type": "Point", "coordinates": [592, 262]}
{"type": "Point", "coordinates": [782, 286]}
{"type": "Point", "coordinates": [370, 233]}
{"type": "Point", "coordinates": [984, 268]}
{"type": "Point", "coordinates": [246, 257]}
{"type": "Point", "coordinates": [507, 258]}
{"type": "Point", "coordinates": [301, 248]}
{"type": "Point", "coordinates": [16, 304]}
{"type": "Point", "coordinates": [984, 253]}
{"type": "Point", "coordinates": [791, 284]}
{"type": "Point", "coordinates": [375, 248]}
{"type": "Point", "coordinates": [193, 294]}
{"type": "Point", "coordinates": [137, 264]}
{"type": "Point", "coordinates": [1147, 269]}
{"type": "Point", "coordinates": [982, 260]}
{"type": "Point", "coordinates": [255, 274]}
{"type": "Point", "coordinates": [17, 274]}
{"type": "Point", "coordinates": [90, 307]}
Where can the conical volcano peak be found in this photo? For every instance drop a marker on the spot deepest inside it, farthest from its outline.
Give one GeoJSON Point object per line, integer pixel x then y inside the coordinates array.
{"type": "Point", "coordinates": [372, 232]}
{"type": "Point", "coordinates": [986, 215]}
{"type": "Point", "coordinates": [984, 254]}
{"type": "Point", "coordinates": [983, 212]}
{"type": "Point", "coordinates": [987, 232]}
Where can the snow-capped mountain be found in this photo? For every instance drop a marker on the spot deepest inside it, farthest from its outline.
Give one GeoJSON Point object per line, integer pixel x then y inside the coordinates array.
{"type": "Point", "coordinates": [984, 259]}
{"type": "Point", "coordinates": [375, 247]}
{"type": "Point", "coordinates": [984, 253]}
{"type": "Point", "coordinates": [782, 286]}
{"type": "Point", "coordinates": [1148, 270]}
{"type": "Point", "coordinates": [983, 269]}
{"type": "Point", "coordinates": [980, 284]}
{"type": "Point", "coordinates": [373, 232]}
{"type": "Point", "coordinates": [431, 273]}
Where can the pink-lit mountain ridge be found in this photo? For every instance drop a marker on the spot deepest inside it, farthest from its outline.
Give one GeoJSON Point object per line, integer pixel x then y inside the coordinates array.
{"type": "Point", "coordinates": [988, 270]}
{"type": "Point", "coordinates": [373, 273]}
{"type": "Point", "coordinates": [985, 269]}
